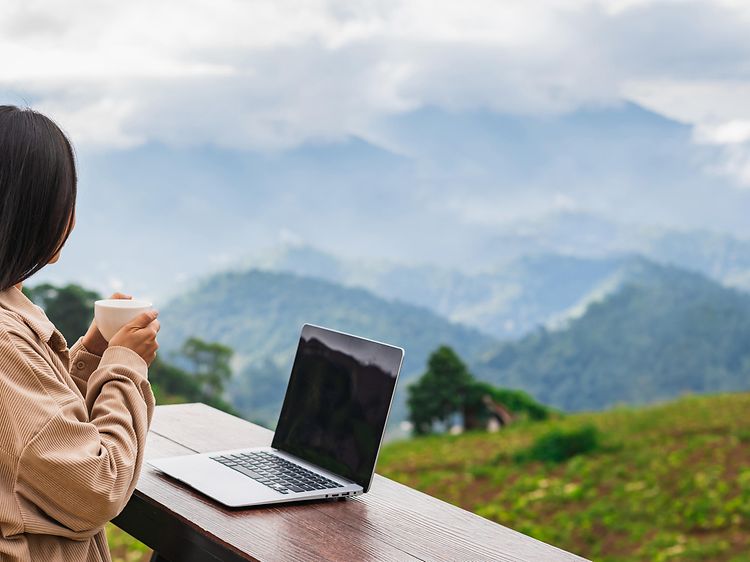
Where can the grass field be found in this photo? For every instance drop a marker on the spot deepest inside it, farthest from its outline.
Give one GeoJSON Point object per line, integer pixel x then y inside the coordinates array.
{"type": "Point", "coordinates": [667, 483]}
{"type": "Point", "coordinates": [670, 482]}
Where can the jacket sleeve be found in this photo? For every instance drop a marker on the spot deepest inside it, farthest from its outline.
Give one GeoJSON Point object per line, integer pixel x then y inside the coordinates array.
{"type": "Point", "coordinates": [78, 471]}
{"type": "Point", "coordinates": [82, 364]}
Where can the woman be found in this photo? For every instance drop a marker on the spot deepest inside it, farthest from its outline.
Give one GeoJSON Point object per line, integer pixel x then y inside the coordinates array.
{"type": "Point", "coordinates": [73, 423]}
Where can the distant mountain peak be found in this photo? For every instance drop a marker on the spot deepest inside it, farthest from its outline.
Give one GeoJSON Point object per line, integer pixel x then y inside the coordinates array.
{"type": "Point", "coordinates": [661, 332]}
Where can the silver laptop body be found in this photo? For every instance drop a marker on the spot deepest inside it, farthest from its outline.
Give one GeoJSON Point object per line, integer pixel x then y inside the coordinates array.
{"type": "Point", "coordinates": [328, 435]}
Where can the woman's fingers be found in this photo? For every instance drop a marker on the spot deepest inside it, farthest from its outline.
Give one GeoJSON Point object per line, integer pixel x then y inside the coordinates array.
{"type": "Point", "coordinates": [139, 334]}
{"type": "Point", "coordinates": [120, 296]}
{"type": "Point", "coordinates": [144, 319]}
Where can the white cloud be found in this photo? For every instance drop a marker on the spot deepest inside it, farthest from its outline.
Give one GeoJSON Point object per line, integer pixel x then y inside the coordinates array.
{"type": "Point", "coordinates": [101, 122]}
{"type": "Point", "coordinates": [708, 102]}
{"type": "Point", "coordinates": [730, 132]}
{"type": "Point", "coordinates": [719, 111]}
{"type": "Point", "coordinates": [275, 73]}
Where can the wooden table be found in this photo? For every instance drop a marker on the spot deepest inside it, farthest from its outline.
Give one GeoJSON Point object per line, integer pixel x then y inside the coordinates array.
{"type": "Point", "coordinates": [390, 522]}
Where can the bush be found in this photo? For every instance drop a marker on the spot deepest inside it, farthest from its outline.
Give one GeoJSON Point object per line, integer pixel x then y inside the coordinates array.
{"type": "Point", "coordinates": [559, 445]}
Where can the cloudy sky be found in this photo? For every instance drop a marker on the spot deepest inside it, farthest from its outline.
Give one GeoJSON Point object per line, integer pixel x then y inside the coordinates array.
{"type": "Point", "coordinates": [269, 74]}
{"type": "Point", "coordinates": [268, 77]}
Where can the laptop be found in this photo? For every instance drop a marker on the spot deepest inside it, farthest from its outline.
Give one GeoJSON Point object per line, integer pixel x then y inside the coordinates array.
{"type": "Point", "coordinates": [328, 434]}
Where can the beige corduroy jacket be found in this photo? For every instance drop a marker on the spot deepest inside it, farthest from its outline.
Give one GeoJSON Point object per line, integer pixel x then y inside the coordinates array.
{"type": "Point", "coordinates": [73, 430]}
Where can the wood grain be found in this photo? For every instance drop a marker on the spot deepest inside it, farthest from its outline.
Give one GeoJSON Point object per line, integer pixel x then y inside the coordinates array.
{"type": "Point", "coordinates": [390, 522]}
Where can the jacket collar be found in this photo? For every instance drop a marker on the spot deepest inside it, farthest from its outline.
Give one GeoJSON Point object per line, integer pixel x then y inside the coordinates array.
{"type": "Point", "coordinates": [14, 300]}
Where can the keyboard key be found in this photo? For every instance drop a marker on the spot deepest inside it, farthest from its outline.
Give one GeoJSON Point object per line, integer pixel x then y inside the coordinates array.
{"type": "Point", "coordinates": [247, 472]}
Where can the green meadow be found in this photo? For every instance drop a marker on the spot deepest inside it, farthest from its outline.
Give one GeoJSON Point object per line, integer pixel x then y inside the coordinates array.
{"type": "Point", "coordinates": [663, 483]}
{"type": "Point", "coordinates": [668, 482]}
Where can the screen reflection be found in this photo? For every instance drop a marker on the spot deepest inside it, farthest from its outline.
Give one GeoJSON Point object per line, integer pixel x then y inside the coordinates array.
{"type": "Point", "coordinates": [337, 402]}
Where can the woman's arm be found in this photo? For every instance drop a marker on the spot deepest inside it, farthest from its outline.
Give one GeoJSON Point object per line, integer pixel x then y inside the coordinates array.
{"type": "Point", "coordinates": [86, 353]}
{"type": "Point", "coordinates": [77, 469]}
{"type": "Point", "coordinates": [83, 362]}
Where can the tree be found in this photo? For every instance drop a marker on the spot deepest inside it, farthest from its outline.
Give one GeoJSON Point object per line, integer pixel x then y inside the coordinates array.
{"type": "Point", "coordinates": [448, 388]}
{"type": "Point", "coordinates": [440, 392]}
{"type": "Point", "coordinates": [70, 308]}
{"type": "Point", "coordinates": [172, 384]}
{"type": "Point", "coordinates": [208, 363]}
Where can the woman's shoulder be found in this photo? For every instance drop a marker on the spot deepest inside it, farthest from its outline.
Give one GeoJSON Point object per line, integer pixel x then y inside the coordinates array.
{"type": "Point", "coordinates": [14, 328]}
{"type": "Point", "coordinates": [28, 387]}
{"type": "Point", "coordinates": [10, 323]}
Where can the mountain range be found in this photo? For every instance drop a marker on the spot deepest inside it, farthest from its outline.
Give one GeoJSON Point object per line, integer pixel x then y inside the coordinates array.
{"type": "Point", "coordinates": [259, 314]}
{"type": "Point", "coordinates": [658, 332]}
{"type": "Point", "coordinates": [664, 332]}
{"type": "Point", "coordinates": [466, 227]}
{"type": "Point", "coordinates": [551, 270]}
{"type": "Point", "coordinates": [504, 302]}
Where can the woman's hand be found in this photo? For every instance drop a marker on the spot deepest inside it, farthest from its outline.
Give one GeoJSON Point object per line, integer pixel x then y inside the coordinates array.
{"type": "Point", "coordinates": [93, 340]}
{"type": "Point", "coordinates": [140, 335]}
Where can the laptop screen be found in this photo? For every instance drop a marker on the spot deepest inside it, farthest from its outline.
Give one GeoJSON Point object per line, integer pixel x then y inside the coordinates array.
{"type": "Point", "coordinates": [337, 402]}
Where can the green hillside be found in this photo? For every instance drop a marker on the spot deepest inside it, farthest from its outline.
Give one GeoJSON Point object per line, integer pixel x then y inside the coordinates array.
{"type": "Point", "coordinates": [533, 274]}
{"type": "Point", "coordinates": [506, 301]}
{"type": "Point", "coordinates": [259, 314]}
{"type": "Point", "coordinates": [664, 332]}
{"type": "Point", "coordinates": [668, 482]}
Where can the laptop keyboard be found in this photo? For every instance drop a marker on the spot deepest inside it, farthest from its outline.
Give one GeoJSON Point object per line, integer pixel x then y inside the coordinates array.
{"type": "Point", "coordinates": [275, 472]}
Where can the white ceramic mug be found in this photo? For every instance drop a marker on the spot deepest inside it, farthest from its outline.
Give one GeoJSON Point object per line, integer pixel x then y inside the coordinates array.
{"type": "Point", "coordinates": [112, 314]}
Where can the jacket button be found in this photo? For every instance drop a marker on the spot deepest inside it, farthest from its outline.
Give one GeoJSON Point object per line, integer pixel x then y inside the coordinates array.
{"type": "Point", "coordinates": [80, 364]}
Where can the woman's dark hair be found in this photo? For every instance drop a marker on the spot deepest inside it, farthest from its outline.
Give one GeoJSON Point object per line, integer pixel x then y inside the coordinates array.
{"type": "Point", "coordinates": [37, 192]}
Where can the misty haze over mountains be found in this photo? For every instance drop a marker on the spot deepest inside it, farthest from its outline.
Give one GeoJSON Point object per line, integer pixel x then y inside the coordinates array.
{"type": "Point", "coordinates": [468, 228]}
{"type": "Point", "coordinates": [531, 286]}
{"type": "Point", "coordinates": [467, 191]}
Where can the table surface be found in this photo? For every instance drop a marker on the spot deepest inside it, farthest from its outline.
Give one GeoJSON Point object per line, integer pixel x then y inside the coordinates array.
{"type": "Point", "coordinates": [390, 522]}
